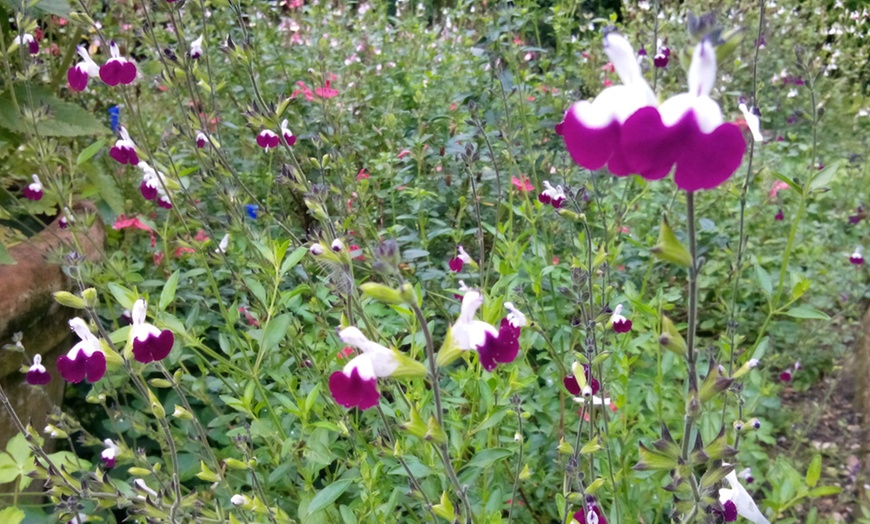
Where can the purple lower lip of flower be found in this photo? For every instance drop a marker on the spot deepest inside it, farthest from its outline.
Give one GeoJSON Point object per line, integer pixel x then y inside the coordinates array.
{"type": "Point", "coordinates": [148, 191]}
{"type": "Point", "coordinates": [111, 72]}
{"type": "Point", "coordinates": [502, 348]}
{"type": "Point", "coordinates": [622, 326]}
{"type": "Point", "coordinates": [290, 139]}
{"type": "Point", "coordinates": [164, 202]}
{"type": "Point", "coordinates": [730, 512]}
{"type": "Point", "coordinates": [77, 78]}
{"type": "Point", "coordinates": [544, 198]}
{"type": "Point", "coordinates": [456, 265]}
{"type": "Point", "coordinates": [856, 260]}
{"type": "Point", "coordinates": [779, 216]}
{"type": "Point", "coordinates": [38, 377]}
{"type": "Point", "coordinates": [109, 462]}
{"type": "Point", "coordinates": [30, 194]}
{"type": "Point", "coordinates": [153, 348]}
{"type": "Point", "coordinates": [785, 376]}
{"type": "Point", "coordinates": [573, 386]}
{"type": "Point", "coordinates": [124, 155]}
{"type": "Point", "coordinates": [81, 366]}
{"type": "Point", "coordinates": [703, 160]}
{"type": "Point", "coordinates": [353, 390]}
{"type": "Point", "coordinates": [33, 47]}
{"type": "Point", "coordinates": [589, 147]}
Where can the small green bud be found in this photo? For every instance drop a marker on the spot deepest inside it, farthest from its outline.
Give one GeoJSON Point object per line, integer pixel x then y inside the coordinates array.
{"type": "Point", "coordinates": [65, 298]}
{"type": "Point", "coordinates": [235, 464]}
{"type": "Point", "coordinates": [156, 407]}
{"type": "Point", "coordinates": [669, 247]}
{"type": "Point", "coordinates": [160, 383]}
{"type": "Point", "coordinates": [138, 472]}
{"type": "Point", "coordinates": [381, 293]}
{"type": "Point", "coordinates": [90, 297]}
{"type": "Point", "coordinates": [181, 413]}
{"type": "Point", "coordinates": [435, 434]}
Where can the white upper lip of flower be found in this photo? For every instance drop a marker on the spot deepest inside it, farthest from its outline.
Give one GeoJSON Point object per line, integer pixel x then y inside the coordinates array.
{"type": "Point", "coordinates": [375, 361]}
{"type": "Point", "coordinates": [746, 507]}
{"type": "Point", "coordinates": [467, 332]}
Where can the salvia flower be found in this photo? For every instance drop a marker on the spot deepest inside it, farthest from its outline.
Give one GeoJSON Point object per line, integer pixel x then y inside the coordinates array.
{"type": "Point", "coordinates": [618, 321]}
{"type": "Point", "coordinates": [753, 121]}
{"type": "Point", "coordinates": [140, 485]}
{"type": "Point", "coordinates": [288, 135]}
{"type": "Point", "coordinates": [316, 249]}
{"type": "Point", "coordinates": [86, 359]}
{"type": "Point", "coordinates": [586, 385]}
{"type": "Point", "coordinates": [124, 150]}
{"type": "Point", "coordinates": [267, 139]}
{"type": "Point", "coordinates": [746, 475]}
{"type": "Point", "coordinates": [252, 210]}
{"type": "Point", "coordinates": [662, 58]}
{"type": "Point", "coordinates": [196, 48]}
{"type": "Point", "coordinates": [117, 70]}
{"type": "Point", "coordinates": [32, 43]}
{"type": "Point", "coordinates": [37, 375]}
{"type": "Point", "coordinates": [591, 130]}
{"type": "Point", "coordinates": [201, 139]}
{"type": "Point", "coordinates": [493, 346]}
{"type": "Point", "coordinates": [110, 453]}
{"type": "Point", "coordinates": [687, 130]}
{"type": "Point", "coordinates": [742, 501]}
{"type": "Point", "coordinates": [591, 514]}
{"type": "Point", "coordinates": [34, 190]}
{"type": "Point", "coordinates": [554, 196]}
{"type": "Point", "coordinates": [460, 260]}
{"type": "Point", "coordinates": [855, 258]}
{"type": "Point", "coordinates": [150, 344]}
{"type": "Point", "coordinates": [356, 385]}
{"type": "Point", "coordinates": [78, 75]}
{"type": "Point", "coordinates": [779, 216]}
{"type": "Point", "coordinates": [337, 245]}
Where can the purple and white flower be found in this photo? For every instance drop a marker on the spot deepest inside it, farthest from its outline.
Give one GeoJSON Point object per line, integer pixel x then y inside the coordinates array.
{"type": "Point", "coordinates": [37, 375]}
{"type": "Point", "coordinates": [288, 135]}
{"type": "Point", "coordinates": [124, 150]}
{"type": "Point", "coordinates": [741, 501]}
{"type": "Point", "coordinates": [150, 344]}
{"type": "Point", "coordinates": [493, 346]}
{"type": "Point", "coordinates": [86, 359]}
{"type": "Point", "coordinates": [856, 258]}
{"type": "Point", "coordinates": [554, 196]}
{"type": "Point", "coordinates": [78, 75]}
{"type": "Point", "coordinates": [618, 321]}
{"type": "Point", "coordinates": [34, 190]}
{"type": "Point", "coordinates": [460, 260]}
{"type": "Point", "coordinates": [110, 453]}
{"type": "Point", "coordinates": [196, 48]}
{"type": "Point", "coordinates": [267, 139]}
{"type": "Point", "coordinates": [27, 39]}
{"type": "Point", "coordinates": [117, 70]}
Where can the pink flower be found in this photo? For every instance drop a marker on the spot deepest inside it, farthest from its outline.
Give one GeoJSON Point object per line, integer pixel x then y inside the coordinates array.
{"type": "Point", "coordinates": [122, 222]}
{"type": "Point", "coordinates": [86, 359]}
{"type": "Point", "coordinates": [34, 190]}
{"type": "Point", "coordinates": [523, 184]}
{"type": "Point", "coordinates": [117, 70]}
{"type": "Point", "coordinates": [778, 185]}
{"type": "Point", "coordinates": [267, 139]}
{"type": "Point", "coordinates": [326, 92]}
{"type": "Point", "coordinates": [37, 375]}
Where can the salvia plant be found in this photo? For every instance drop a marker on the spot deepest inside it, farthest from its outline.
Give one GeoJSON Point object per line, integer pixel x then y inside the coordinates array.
{"type": "Point", "coordinates": [461, 261]}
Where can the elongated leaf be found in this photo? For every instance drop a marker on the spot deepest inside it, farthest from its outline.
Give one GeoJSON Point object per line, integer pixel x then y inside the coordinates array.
{"type": "Point", "coordinates": [89, 152]}
{"type": "Point", "coordinates": [327, 496]}
{"type": "Point", "coordinates": [807, 312]}
{"type": "Point", "coordinates": [814, 471]}
{"type": "Point", "coordinates": [167, 296]}
{"type": "Point", "coordinates": [5, 257]}
{"type": "Point", "coordinates": [63, 118]}
{"type": "Point", "coordinates": [275, 331]}
{"type": "Point", "coordinates": [487, 457]}
{"type": "Point", "coordinates": [824, 177]}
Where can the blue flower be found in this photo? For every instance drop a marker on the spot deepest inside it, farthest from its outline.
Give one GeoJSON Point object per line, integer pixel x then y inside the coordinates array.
{"type": "Point", "coordinates": [114, 118]}
{"type": "Point", "coordinates": [252, 210]}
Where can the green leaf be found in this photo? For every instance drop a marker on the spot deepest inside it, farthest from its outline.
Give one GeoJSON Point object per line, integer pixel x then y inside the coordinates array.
{"type": "Point", "coordinates": [763, 279]}
{"type": "Point", "coordinates": [807, 312]}
{"type": "Point", "coordinates": [824, 177]}
{"type": "Point", "coordinates": [791, 183]}
{"type": "Point", "coordinates": [275, 331]}
{"type": "Point", "coordinates": [760, 349]}
{"type": "Point", "coordinates": [62, 118]}
{"type": "Point", "coordinates": [824, 491]}
{"type": "Point", "coordinates": [487, 457]}
{"type": "Point", "coordinates": [294, 258]}
{"type": "Point", "coordinates": [814, 471]}
{"type": "Point", "coordinates": [327, 496]}
{"type": "Point", "coordinates": [5, 258]}
{"type": "Point", "coordinates": [491, 421]}
{"type": "Point", "coordinates": [167, 296]}
{"type": "Point", "coordinates": [11, 515]}
{"type": "Point", "coordinates": [122, 295]}
{"type": "Point", "coordinates": [89, 152]}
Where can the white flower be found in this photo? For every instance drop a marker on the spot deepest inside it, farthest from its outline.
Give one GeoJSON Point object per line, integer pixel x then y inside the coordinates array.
{"type": "Point", "coordinates": [464, 256]}
{"type": "Point", "coordinates": [746, 507]}
{"type": "Point", "coordinates": [240, 500]}
{"type": "Point", "coordinates": [515, 317]}
{"type": "Point", "coordinates": [316, 249]}
{"type": "Point", "coordinates": [196, 48]}
{"type": "Point", "coordinates": [139, 483]}
{"type": "Point", "coordinates": [337, 245]}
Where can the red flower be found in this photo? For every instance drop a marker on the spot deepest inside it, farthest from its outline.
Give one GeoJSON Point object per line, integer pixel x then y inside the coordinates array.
{"type": "Point", "coordinates": [181, 250]}
{"type": "Point", "coordinates": [523, 184]}
{"type": "Point", "coordinates": [200, 236]}
{"type": "Point", "coordinates": [363, 174]}
{"type": "Point", "coordinates": [122, 222]}
{"type": "Point", "coordinates": [309, 95]}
